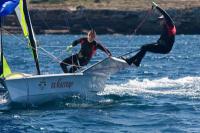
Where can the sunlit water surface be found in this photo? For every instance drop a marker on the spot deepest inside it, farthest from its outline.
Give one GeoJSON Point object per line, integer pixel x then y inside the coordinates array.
{"type": "Point", "coordinates": [162, 95]}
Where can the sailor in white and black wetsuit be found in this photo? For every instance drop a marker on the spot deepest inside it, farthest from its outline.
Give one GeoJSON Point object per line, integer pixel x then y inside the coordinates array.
{"type": "Point", "coordinates": [164, 43]}
{"type": "Point", "coordinates": [82, 58]}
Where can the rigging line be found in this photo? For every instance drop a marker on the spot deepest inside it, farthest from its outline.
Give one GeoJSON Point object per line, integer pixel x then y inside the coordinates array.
{"type": "Point", "coordinates": [62, 53]}
{"type": "Point", "coordinates": [129, 53]}
{"type": "Point", "coordinates": [141, 23]}
{"type": "Point", "coordinates": [17, 38]}
{"type": "Point", "coordinates": [68, 24]}
{"type": "Point", "coordinates": [23, 41]}
{"type": "Point", "coordinates": [96, 39]}
{"type": "Point", "coordinates": [136, 29]}
{"type": "Point", "coordinates": [57, 59]}
{"type": "Point", "coordinates": [50, 54]}
{"type": "Point", "coordinates": [66, 20]}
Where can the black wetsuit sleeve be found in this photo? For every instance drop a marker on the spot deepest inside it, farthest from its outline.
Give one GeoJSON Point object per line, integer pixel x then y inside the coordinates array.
{"type": "Point", "coordinates": [76, 42]}
{"type": "Point", "coordinates": [99, 46]}
{"type": "Point", "coordinates": [166, 16]}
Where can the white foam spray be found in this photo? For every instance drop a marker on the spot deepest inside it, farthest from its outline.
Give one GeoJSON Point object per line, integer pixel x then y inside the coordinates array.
{"type": "Point", "coordinates": [186, 86]}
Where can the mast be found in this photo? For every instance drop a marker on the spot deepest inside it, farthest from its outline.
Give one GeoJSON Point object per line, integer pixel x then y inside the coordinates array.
{"type": "Point", "coordinates": [31, 36]}
{"type": "Point", "coordinates": [1, 48]}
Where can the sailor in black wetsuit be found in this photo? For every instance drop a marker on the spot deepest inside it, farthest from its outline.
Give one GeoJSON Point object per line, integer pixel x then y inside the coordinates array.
{"type": "Point", "coordinates": [88, 49]}
{"type": "Point", "coordinates": [164, 43]}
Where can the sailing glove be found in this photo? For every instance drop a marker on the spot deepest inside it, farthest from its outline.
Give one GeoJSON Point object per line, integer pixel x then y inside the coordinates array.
{"type": "Point", "coordinates": [69, 48]}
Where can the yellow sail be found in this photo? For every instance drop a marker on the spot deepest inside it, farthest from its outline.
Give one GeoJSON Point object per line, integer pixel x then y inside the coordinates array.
{"type": "Point", "coordinates": [21, 17]}
{"type": "Point", "coordinates": [6, 68]}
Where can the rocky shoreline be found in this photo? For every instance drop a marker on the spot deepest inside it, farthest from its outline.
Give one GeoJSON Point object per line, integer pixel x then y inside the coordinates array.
{"type": "Point", "coordinates": [104, 21]}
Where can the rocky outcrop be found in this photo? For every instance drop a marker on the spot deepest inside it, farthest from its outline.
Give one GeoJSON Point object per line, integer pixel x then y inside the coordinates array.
{"type": "Point", "coordinates": [61, 21]}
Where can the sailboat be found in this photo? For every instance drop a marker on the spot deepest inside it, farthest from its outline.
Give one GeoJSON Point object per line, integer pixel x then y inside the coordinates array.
{"type": "Point", "coordinates": [40, 88]}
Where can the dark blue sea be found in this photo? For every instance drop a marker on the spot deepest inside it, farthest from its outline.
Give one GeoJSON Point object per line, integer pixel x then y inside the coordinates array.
{"type": "Point", "coordinates": [160, 96]}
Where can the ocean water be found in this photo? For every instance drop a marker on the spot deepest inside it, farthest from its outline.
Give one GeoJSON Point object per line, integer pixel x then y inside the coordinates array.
{"type": "Point", "coordinates": [162, 95]}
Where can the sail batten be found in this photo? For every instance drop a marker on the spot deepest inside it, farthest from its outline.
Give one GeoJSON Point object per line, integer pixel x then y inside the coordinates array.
{"type": "Point", "coordinates": [24, 19]}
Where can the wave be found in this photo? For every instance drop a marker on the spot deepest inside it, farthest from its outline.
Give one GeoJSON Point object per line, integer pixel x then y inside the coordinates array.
{"type": "Point", "coordinates": [186, 86]}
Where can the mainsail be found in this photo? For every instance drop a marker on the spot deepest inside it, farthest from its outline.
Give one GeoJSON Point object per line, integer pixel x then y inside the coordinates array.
{"type": "Point", "coordinates": [24, 19]}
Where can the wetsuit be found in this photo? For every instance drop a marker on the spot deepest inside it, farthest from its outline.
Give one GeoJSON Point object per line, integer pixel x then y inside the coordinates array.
{"type": "Point", "coordinates": [82, 58]}
{"type": "Point", "coordinates": [164, 43]}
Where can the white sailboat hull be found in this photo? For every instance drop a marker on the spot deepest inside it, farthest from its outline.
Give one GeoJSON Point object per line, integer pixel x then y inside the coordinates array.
{"type": "Point", "coordinates": [42, 88]}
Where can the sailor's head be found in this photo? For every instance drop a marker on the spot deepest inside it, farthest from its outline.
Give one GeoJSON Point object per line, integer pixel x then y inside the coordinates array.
{"type": "Point", "coordinates": [91, 35]}
{"type": "Point", "coordinates": [161, 20]}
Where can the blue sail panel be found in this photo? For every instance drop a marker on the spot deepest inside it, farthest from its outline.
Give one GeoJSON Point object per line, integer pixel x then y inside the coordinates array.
{"type": "Point", "coordinates": [7, 6]}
